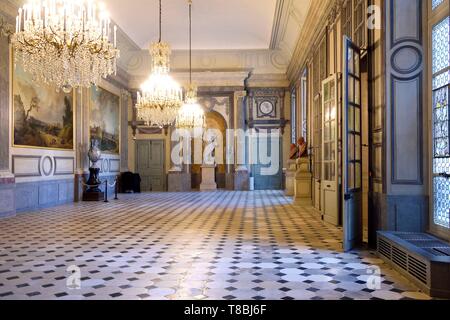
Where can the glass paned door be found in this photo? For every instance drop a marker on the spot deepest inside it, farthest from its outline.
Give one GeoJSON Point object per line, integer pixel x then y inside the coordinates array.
{"type": "Point", "coordinates": [352, 155]}
{"type": "Point", "coordinates": [330, 199]}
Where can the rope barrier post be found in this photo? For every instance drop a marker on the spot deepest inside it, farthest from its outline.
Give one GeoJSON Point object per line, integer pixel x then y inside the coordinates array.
{"type": "Point", "coordinates": [106, 190]}
{"type": "Point", "coordinates": [116, 191]}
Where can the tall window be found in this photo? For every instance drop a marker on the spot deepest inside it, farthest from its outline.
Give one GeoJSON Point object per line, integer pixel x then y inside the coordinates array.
{"type": "Point", "coordinates": [294, 115]}
{"type": "Point", "coordinates": [441, 120]}
{"type": "Point", "coordinates": [304, 95]}
{"type": "Point", "coordinates": [436, 3]}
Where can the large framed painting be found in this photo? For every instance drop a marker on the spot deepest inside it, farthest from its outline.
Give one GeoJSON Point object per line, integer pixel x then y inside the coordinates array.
{"type": "Point", "coordinates": [43, 116]}
{"type": "Point", "coordinates": [105, 120]}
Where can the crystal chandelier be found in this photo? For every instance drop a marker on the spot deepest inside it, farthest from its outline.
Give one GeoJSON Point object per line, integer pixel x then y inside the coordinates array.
{"type": "Point", "coordinates": [69, 43]}
{"type": "Point", "coordinates": [191, 114]}
{"type": "Point", "coordinates": [161, 97]}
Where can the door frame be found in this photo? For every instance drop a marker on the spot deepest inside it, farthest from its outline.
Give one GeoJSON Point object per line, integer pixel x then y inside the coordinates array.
{"type": "Point", "coordinates": [255, 166]}
{"type": "Point", "coordinates": [325, 184]}
{"type": "Point", "coordinates": [353, 222]}
{"type": "Point", "coordinates": [136, 158]}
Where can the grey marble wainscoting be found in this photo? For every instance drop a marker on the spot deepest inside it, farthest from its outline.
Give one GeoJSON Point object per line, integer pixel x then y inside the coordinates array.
{"type": "Point", "coordinates": [7, 197]}
{"type": "Point", "coordinates": [406, 213]}
{"type": "Point", "coordinates": [43, 194]}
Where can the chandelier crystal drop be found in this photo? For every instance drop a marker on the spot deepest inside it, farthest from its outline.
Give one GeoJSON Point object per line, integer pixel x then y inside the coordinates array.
{"type": "Point", "coordinates": [68, 43]}
{"type": "Point", "coordinates": [161, 97]}
{"type": "Point", "coordinates": [191, 114]}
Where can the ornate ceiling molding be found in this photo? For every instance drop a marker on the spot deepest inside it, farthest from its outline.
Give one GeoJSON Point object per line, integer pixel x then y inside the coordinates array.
{"type": "Point", "coordinates": [315, 22]}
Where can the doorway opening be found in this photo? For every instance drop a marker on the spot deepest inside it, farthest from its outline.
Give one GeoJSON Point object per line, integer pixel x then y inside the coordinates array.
{"type": "Point", "coordinates": [214, 121]}
{"type": "Point", "coordinates": [150, 162]}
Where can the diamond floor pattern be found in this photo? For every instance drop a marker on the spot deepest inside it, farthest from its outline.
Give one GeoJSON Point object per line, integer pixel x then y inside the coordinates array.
{"type": "Point", "coordinates": [218, 245]}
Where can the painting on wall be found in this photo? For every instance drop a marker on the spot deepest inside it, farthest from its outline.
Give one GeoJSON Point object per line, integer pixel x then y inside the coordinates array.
{"type": "Point", "coordinates": [43, 116]}
{"type": "Point", "coordinates": [105, 120]}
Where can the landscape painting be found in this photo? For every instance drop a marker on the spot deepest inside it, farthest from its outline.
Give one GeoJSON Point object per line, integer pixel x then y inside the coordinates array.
{"type": "Point", "coordinates": [43, 116]}
{"type": "Point", "coordinates": [105, 119]}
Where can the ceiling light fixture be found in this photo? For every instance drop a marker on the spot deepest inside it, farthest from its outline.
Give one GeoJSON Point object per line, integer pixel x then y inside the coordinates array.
{"type": "Point", "coordinates": [191, 114]}
{"type": "Point", "coordinates": [69, 43]}
{"type": "Point", "coordinates": [161, 97]}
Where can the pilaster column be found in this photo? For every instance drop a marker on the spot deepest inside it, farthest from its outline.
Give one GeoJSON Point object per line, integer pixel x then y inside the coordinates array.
{"type": "Point", "coordinates": [82, 140]}
{"type": "Point", "coordinates": [125, 105]}
{"type": "Point", "coordinates": [7, 181]}
{"type": "Point", "coordinates": [175, 151]}
{"type": "Point", "coordinates": [241, 176]}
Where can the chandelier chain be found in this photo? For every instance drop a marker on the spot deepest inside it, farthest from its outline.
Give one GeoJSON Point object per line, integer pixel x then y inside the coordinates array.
{"type": "Point", "coordinates": [190, 42]}
{"type": "Point", "coordinates": [160, 21]}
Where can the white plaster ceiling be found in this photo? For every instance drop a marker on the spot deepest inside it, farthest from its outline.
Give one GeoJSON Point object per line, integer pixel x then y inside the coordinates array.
{"type": "Point", "coordinates": [217, 24]}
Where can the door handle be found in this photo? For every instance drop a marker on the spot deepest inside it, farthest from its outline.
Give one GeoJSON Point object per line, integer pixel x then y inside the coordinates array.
{"type": "Point", "coordinates": [329, 186]}
{"type": "Point", "coordinates": [348, 197]}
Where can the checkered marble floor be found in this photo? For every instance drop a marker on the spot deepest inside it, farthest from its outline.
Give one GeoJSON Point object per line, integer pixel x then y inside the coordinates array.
{"type": "Point", "coordinates": [219, 245]}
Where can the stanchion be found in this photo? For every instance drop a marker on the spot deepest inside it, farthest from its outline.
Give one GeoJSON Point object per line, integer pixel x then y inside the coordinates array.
{"type": "Point", "coordinates": [106, 190]}
{"type": "Point", "coordinates": [116, 191]}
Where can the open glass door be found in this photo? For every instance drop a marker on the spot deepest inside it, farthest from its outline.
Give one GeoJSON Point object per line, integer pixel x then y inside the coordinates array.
{"type": "Point", "coordinates": [351, 153]}
{"type": "Point", "coordinates": [330, 192]}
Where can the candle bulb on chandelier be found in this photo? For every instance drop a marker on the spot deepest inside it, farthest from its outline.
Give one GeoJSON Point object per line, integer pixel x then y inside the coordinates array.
{"type": "Point", "coordinates": [115, 36]}
{"type": "Point", "coordinates": [20, 18]}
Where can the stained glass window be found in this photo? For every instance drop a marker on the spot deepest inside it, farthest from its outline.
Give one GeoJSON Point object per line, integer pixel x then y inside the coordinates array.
{"type": "Point", "coordinates": [436, 3]}
{"type": "Point", "coordinates": [441, 123]}
{"type": "Point", "coordinates": [441, 120]}
{"type": "Point", "coordinates": [441, 45]}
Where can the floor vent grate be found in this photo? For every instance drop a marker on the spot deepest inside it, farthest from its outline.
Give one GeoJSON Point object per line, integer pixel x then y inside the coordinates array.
{"type": "Point", "coordinates": [400, 258]}
{"type": "Point", "coordinates": [415, 255]}
{"type": "Point", "coordinates": [384, 248]}
{"type": "Point", "coordinates": [418, 269]}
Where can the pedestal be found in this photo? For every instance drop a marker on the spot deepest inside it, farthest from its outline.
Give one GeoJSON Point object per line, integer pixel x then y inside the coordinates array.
{"type": "Point", "coordinates": [302, 188]}
{"type": "Point", "coordinates": [208, 178]}
{"type": "Point", "coordinates": [93, 193]}
{"type": "Point", "coordinates": [290, 178]}
{"type": "Point", "coordinates": [179, 181]}
{"type": "Point", "coordinates": [241, 179]}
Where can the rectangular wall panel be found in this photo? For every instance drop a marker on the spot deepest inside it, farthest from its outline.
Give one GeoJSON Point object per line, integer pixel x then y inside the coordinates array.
{"type": "Point", "coordinates": [26, 166]}
{"type": "Point", "coordinates": [64, 166]}
{"type": "Point", "coordinates": [407, 127]}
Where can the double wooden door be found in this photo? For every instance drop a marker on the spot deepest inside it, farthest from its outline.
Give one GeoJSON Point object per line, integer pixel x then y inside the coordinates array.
{"type": "Point", "coordinates": [150, 165]}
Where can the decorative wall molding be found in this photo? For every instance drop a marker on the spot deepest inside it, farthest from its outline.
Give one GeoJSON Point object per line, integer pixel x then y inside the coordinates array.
{"type": "Point", "coordinates": [114, 165]}
{"type": "Point", "coordinates": [405, 65]}
{"type": "Point", "coordinates": [47, 166]}
{"type": "Point", "coordinates": [26, 166]}
{"type": "Point", "coordinates": [257, 96]}
{"type": "Point", "coordinates": [64, 166]}
{"type": "Point", "coordinates": [406, 23]}
{"type": "Point", "coordinates": [405, 137]}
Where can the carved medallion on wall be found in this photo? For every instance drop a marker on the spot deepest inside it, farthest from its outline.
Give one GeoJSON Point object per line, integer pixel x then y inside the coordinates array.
{"type": "Point", "coordinates": [47, 166]}
{"type": "Point", "coordinates": [407, 60]}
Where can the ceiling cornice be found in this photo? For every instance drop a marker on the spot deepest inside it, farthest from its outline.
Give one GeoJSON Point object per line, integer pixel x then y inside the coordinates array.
{"type": "Point", "coordinates": [278, 20]}
{"type": "Point", "coordinates": [315, 22]}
